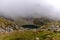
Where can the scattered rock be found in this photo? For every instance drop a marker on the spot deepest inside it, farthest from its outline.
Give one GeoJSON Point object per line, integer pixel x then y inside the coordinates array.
{"type": "Point", "coordinates": [7, 25]}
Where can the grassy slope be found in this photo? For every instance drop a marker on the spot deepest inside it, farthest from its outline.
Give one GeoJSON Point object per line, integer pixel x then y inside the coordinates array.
{"type": "Point", "coordinates": [30, 35]}
{"type": "Point", "coordinates": [26, 35]}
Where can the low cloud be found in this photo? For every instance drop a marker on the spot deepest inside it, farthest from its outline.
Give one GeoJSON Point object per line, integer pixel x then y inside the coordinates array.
{"type": "Point", "coordinates": [23, 8]}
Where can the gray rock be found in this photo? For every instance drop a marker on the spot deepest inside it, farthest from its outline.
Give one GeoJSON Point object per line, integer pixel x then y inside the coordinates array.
{"type": "Point", "coordinates": [2, 30]}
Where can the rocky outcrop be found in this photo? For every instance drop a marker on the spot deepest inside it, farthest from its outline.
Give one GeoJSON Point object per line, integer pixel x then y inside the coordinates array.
{"type": "Point", "coordinates": [7, 25]}
{"type": "Point", "coordinates": [52, 28]}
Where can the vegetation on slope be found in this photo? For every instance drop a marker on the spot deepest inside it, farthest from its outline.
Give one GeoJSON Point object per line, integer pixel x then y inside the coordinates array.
{"type": "Point", "coordinates": [18, 35]}
{"type": "Point", "coordinates": [48, 30]}
{"type": "Point", "coordinates": [6, 24]}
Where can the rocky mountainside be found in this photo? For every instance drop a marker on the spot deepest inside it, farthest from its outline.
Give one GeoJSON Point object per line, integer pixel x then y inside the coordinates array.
{"type": "Point", "coordinates": [10, 30]}
{"type": "Point", "coordinates": [7, 25]}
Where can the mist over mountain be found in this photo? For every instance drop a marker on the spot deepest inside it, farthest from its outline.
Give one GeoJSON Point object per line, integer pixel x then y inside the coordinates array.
{"type": "Point", "coordinates": [34, 8]}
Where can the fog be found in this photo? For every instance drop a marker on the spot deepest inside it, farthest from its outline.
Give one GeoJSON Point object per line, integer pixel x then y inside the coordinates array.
{"type": "Point", "coordinates": [35, 8]}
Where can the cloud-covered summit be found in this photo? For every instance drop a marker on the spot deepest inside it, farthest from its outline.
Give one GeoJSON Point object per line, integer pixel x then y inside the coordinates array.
{"type": "Point", "coordinates": [36, 8]}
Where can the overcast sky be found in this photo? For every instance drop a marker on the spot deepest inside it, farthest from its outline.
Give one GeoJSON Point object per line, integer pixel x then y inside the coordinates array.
{"type": "Point", "coordinates": [15, 8]}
